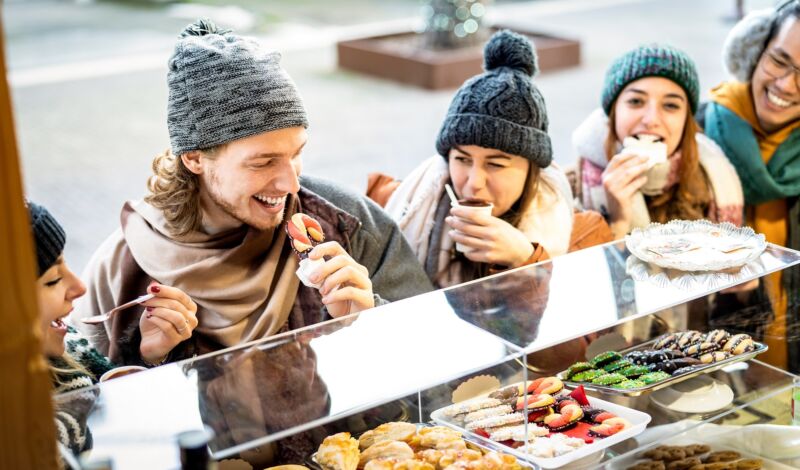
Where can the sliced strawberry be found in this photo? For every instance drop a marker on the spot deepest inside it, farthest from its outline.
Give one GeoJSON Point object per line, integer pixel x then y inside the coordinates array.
{"type": "Point", "coordinates": [481, 432]}
{"type": "Point", "coordinates": [579, 394]}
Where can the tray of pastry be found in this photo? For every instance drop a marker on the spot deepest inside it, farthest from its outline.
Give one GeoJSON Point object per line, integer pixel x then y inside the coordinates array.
{"type": "Point", "coordinates": [669, 359]}
{"type": "Point", "coordinates": [700, 454]}
{"type": "Point", "coordinates": [402, 445]}
{"type": "Point", "coordinates": [543, 423]}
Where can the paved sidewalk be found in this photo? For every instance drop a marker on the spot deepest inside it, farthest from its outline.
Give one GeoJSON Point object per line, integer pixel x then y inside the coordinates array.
{"type": "Point", "coordinates": [91, 106]}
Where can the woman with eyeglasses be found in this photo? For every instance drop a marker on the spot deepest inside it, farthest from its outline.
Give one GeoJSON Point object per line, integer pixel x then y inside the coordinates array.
{"type": "Point", "coordinates": [755, 119]}
{"type": "Point", "coordinates": [649, 98]}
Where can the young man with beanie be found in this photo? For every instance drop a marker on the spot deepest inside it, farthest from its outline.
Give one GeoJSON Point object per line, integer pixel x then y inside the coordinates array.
{"type": "Point", "coordinates": [649, 98]}
{"type": "Point", "coordinates": [756, 121]}
{"type": "Point", "coordinates": [212, 222]}
{"type": "Point", "coordinates": [493, 146]}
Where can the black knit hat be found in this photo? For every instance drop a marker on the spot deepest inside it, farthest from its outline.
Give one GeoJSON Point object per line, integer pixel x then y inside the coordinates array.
{"type": "Point", "coordinates": [48, 235]}
{"type": "Point", "coordinates": [501, 108]}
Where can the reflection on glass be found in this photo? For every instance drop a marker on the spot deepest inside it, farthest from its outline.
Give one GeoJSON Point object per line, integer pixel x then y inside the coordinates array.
{"type": "Point", "coordinates": [579, 293]}
{"type": "Point", "coordinates": [282, 387]}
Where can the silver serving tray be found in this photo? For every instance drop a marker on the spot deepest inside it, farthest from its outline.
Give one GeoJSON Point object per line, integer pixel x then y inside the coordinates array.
{"type": "Point", "coordinates": [635, 392]}
{"type": "Point", "coordinates": [640, 239]}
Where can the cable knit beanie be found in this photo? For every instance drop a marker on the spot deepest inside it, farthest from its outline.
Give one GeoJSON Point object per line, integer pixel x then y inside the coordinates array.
{"type": "Point", "coordinates": [48, 236]}
{"type": "Point", "coordinates": [651, 61]}
{"type": "Point", "coordinates": [224, 87]}
{"type": "Point", "coordinates": [501, 108]}
{"type": "Point", "coordinates": [746, 41]}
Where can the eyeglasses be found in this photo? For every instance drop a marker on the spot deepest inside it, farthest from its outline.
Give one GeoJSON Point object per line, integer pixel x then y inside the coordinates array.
{"type": "Point", "coordinates": [777, 67]}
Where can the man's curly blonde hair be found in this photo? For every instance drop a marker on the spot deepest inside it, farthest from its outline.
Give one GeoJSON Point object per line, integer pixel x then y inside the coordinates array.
{"type": "Point", "coordinates": [175, 190]}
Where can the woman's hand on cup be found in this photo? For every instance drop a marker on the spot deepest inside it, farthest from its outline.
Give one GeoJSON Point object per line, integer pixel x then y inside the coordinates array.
{"type": "Point", "coordinates": [622, 178]}
{"type": "Point", "coordinates": [346, 286]}
{"type": "Point", "coordinates": [169, 318]}
{"type": "Point", "coordinates": [492, 240]}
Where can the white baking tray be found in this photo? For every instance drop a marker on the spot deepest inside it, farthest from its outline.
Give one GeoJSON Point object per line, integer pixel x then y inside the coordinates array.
{"type": "Point", "coordinates": [637, 419]}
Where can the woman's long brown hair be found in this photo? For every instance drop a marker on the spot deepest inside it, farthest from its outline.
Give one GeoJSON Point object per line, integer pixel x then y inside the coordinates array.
{"type": "Point", "coordinates": [690, 198]}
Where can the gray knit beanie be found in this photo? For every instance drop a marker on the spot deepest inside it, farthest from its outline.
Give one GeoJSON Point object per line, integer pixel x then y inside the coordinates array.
{"type": "Point", "coordinates": [501, 108]}
{"type": "Point", "coordinates": [224, 87]}
{"type": "Point", "coordinates": [48, 235]}
{"type": "Point", "coordinates": [747, 39]}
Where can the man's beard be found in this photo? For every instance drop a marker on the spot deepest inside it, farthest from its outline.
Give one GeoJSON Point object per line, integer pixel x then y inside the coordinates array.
{"type": "Point", "coordinates": [260, 224]}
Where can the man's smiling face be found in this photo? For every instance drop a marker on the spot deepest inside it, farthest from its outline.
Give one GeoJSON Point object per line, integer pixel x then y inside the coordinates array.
{"type": "Point", "coordinates": [776, 98]}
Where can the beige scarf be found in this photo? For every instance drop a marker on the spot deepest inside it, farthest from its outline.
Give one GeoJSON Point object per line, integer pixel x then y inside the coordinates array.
{"type": "Point", "coordinates": [243, 280]}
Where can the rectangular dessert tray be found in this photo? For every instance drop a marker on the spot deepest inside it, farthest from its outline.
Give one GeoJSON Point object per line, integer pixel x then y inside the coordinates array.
{"type": "Point", "coordinates": [699, 370]}
{"type": "Point", "coordinates": [637, 419]}
{"type": "Point", "coordinates": [311, 462]}
{"type": "Point", "coordinates": [767, 464]}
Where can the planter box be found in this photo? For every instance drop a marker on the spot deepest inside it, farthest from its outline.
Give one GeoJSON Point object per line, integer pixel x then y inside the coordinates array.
{"type": "Point", "coordinates": [403, 58]}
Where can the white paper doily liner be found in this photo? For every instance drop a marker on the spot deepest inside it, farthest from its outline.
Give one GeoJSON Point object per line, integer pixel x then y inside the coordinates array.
{"type": "Point", "coordinates": [690, 280]}
{"type": "Point", "coordinates": [704, 259]}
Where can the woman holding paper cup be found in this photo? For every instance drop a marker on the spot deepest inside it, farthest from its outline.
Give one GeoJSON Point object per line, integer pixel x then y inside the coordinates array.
{"type": "Point", "coordinates": [643, 157]}
{"type": "Point", "coordinates": [511, 205]}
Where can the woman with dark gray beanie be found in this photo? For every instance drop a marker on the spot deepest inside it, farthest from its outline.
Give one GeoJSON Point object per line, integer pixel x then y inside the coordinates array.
{"type": "Point", "coordinates": [649, 99]}
{"type": "Point", "coordinates": [73, 362]}
{"type": "Point", "coordinates": [493, 146]}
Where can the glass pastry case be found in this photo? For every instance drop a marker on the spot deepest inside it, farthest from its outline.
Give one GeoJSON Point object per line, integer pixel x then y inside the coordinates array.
{"type": "Point", "coordinates": [275, 400]}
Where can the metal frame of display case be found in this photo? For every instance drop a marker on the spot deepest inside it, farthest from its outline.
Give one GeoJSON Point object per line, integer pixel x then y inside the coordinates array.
{"type": "Point", "coordinates": [263, 391]}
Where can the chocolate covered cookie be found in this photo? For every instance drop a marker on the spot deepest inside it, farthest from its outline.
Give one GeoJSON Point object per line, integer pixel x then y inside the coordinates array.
{"type": "Point", "coordinates": [716, 356]}
{"type": "Point", "coordinates": [717, 336]}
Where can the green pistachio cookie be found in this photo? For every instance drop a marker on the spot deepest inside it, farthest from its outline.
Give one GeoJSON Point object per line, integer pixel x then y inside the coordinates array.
{"type": "Point", "coordinates": [629, 384]}
{"type": "Point", "coordinates": [577, 367]}
{"type": "Point", "coordinates": [587, 375]}
{"type": "Point", "coordinates": [608, 379]}
{"type": "Point", "coordinates": [604, 358]}
{"type": "Point", "coordinates": [654, 377]}
{"type": "Point", "coordinates": [616, 365]}
{"type": "Point", "coordinates": [634, 371]}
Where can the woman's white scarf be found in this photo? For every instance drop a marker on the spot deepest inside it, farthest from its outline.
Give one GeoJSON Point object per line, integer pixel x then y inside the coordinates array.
{"type": "Point", "coordinates": [413, 206]}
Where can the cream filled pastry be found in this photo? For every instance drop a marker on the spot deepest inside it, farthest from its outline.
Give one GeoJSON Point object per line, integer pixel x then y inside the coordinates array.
{"type": "Point", "coordinates": [646, 146]}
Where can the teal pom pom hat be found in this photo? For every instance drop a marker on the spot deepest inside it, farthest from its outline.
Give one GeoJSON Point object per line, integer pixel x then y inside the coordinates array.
{"type": "Point", "coordinates": [501, 108]}
{"type": "Point", "coordinates": [652, 61]}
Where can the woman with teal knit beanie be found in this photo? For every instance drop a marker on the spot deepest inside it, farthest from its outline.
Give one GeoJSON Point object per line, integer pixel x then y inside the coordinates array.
{"type": "Point", "coordinates": [643, 157]}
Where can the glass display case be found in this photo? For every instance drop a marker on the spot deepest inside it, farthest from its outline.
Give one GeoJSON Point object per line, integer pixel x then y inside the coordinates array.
{"type": "Point", "coordinates": [276, 399]}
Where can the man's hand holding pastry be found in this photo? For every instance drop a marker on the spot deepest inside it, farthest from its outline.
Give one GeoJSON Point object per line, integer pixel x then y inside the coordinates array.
{"type": "Point", "coordinates": [346, 286]}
